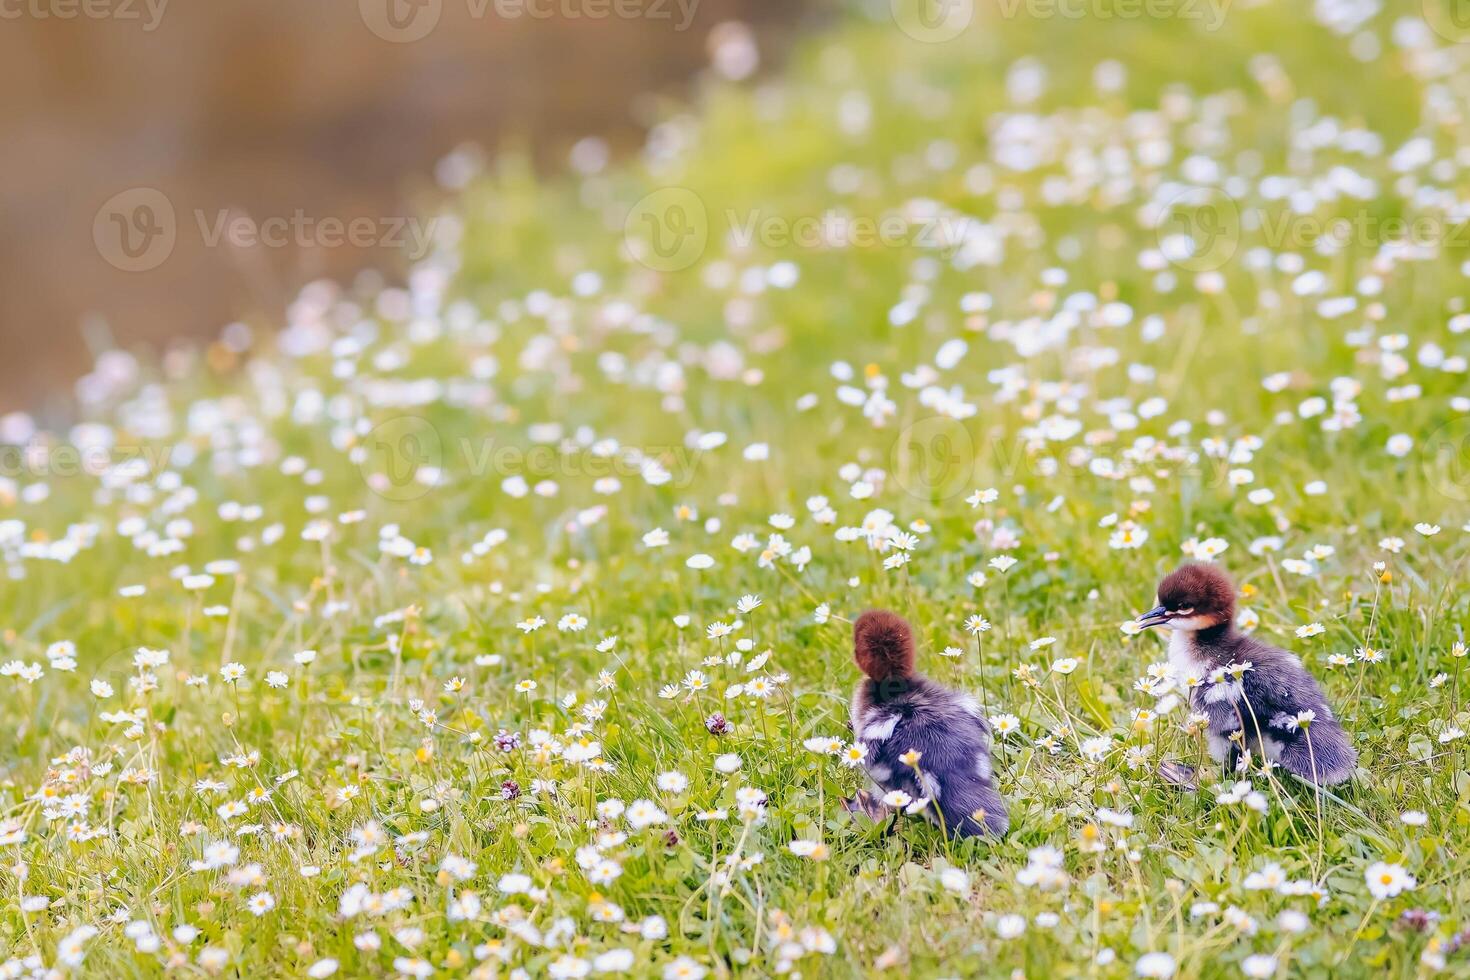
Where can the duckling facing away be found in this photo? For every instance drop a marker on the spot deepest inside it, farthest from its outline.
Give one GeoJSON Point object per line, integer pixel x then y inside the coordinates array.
{"type": "Point", "coordinates": [1257, 698]}
{"type": "Point", "coordinates": [921, 738]}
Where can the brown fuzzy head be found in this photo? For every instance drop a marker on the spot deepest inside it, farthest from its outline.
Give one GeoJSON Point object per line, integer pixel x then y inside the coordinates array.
{"type": "Point", "coordinates": [1194, 596]}
{"type": "Point", "coordinates": [883, 645]}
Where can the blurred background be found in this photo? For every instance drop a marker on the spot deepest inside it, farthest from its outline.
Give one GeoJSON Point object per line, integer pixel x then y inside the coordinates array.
{"type": "Point", "coordinates": [294, 140]}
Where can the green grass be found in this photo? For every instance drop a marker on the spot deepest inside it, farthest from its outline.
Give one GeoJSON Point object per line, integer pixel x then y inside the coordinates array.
{"type": "Point", "coordinates": [1064, 430]}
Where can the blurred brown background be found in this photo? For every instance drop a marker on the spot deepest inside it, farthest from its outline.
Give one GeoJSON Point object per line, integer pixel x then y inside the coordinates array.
{"type": "Point", "coordinates": [267, 108]}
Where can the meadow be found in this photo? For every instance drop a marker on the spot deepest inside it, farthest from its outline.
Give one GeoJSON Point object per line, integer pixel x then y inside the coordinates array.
{"type": "Point", "coordinates": [497, 622]}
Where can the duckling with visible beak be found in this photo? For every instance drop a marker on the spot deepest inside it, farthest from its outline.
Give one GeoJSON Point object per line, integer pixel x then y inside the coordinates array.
{"type": "Point", "coordinates": [1259, 700]}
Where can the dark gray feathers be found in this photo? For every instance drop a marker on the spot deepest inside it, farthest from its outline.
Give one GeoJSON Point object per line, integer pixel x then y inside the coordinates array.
{"type": "Point", "coordinates": [895, 716]}
{"type": "Point", "coordinates": [1276, 706]}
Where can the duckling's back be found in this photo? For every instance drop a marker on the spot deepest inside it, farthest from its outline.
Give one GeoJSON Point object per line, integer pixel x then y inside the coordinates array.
{"type": "Point", "coordinates": [947, 730]}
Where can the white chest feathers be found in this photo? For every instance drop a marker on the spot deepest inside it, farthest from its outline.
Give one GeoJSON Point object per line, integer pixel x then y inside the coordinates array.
{"type": "Point", "coordinates": [1184, 658]}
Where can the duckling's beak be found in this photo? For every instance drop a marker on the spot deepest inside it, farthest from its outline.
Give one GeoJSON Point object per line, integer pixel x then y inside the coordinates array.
{"type": "Point", "coordinates": [1156, 616]}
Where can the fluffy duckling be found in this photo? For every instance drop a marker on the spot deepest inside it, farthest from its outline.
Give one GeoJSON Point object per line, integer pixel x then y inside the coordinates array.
{"type": "Point", "coordinates": [1258, 698]}
{"type": "Point", "coordinates": [921, 738]}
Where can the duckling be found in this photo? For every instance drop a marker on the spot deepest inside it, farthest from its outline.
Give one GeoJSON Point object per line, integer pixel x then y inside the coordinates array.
{"type": "Point", "coordinates": [921, 737]}
{"type": "Point", "coordinates": [1258, 698]}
